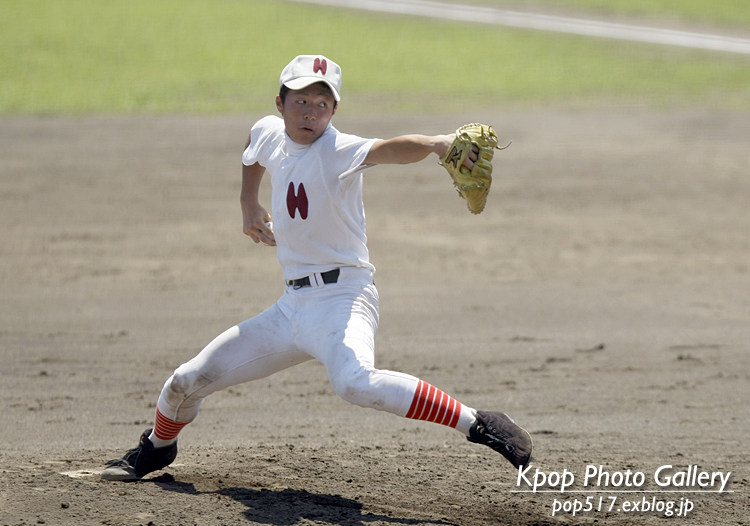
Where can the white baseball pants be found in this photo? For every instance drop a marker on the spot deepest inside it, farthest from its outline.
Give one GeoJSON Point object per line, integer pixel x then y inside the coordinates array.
{"type": "Point", "coordinates": [334, 323]}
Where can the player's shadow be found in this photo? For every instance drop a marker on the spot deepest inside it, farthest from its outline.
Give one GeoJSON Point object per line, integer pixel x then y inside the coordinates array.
{"type": "Point", "coordinates": [289, 506]}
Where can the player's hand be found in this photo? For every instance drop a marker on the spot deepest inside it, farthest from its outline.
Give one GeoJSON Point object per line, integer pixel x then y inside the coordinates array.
{"type": "Point", "coordinates": [256, 223]}
{"type": "Point", "coordinates": [472, 157]}
{"type": "Point", "coordinates": [445, 143]}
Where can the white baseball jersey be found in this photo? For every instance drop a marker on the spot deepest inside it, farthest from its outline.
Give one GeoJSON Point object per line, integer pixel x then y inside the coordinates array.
{"type": "Point", "coordinates": [318, 212]}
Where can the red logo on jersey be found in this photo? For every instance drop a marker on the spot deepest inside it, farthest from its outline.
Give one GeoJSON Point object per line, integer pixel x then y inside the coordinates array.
{"type": "Point", "coordinates": [296, 201]}
{"type": "Point", "coordinates": [320, 65]}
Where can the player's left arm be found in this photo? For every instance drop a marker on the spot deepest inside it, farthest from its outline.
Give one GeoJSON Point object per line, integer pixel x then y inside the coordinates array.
{"type": "Point", "coordinates": [407, 149]}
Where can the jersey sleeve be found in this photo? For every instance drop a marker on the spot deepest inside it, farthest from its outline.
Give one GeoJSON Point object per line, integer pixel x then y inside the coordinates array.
{"type": "Point", "coordinates": [261, 137]}
{"type": "Point", "coordinates": [351, 152]}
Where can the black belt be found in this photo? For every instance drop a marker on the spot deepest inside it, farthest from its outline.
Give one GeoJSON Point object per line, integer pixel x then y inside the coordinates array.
{"type": "Point", "coordinates": [332, 276]}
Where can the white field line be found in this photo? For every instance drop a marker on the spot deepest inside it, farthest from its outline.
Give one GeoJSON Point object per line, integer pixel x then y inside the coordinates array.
{"type": "Point", "coordinates": [489, 15]}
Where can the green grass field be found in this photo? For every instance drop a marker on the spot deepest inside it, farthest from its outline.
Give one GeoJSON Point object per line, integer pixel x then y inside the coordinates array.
{"type": "Point", "coordinates": [224, 56]}
{"type": "Point", "coordinates": [729, 13]}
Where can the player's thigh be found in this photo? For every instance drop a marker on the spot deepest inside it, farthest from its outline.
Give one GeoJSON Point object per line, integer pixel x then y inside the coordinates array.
{"type": "Point", "coordinates": [346, 346]}
{"type": "Point", "coordinates": [342, 332]}
{"type": "Point", "coordinates": [253, 349]}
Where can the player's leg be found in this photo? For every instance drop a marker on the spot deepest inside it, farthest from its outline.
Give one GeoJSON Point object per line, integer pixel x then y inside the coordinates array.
{"type": "Point", "coordinates": [254, 349]}
{"type": "Point", "coordinates": [345, 343]}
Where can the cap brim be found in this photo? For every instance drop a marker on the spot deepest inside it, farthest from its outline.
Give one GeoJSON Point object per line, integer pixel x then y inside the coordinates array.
{"type": "Point", "coordinates": [303, 82]}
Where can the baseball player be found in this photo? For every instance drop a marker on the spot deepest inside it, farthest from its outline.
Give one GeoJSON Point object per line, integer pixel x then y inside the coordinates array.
{"type": "Point", "coordinates": [329, 308]}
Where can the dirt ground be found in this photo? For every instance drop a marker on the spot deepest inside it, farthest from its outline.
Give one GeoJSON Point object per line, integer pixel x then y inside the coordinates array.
{"type": "Point", "coordinates": [602, 300]}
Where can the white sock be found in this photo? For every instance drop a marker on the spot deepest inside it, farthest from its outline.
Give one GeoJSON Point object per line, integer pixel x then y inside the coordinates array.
{"type": "Point", "coordinates": [466, 420]}
{"type": "Point", "coordinates": [158, 442]}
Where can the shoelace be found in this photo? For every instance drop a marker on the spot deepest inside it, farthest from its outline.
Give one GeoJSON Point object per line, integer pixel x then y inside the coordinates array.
{"type": "Point", "coordinates": [494, 438]}
{"type": "Point", "coordinates": [496, 443]}
{"type": "Point", "coordinates": [125, 460]}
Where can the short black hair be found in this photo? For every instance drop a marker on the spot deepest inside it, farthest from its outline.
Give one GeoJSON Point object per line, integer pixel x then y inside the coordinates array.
{"type": "Point", "coordinates": [284, 90]}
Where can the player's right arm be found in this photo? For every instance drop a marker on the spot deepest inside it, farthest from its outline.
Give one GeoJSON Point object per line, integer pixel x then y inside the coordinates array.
{"type": "Point", "coordinates": [254, 216]}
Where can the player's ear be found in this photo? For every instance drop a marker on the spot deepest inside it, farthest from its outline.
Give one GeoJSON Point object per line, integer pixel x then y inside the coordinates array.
{"type": "Point", "coordinates": [279, 104]}
{"type": "Point", "coordinates": [335, 107]}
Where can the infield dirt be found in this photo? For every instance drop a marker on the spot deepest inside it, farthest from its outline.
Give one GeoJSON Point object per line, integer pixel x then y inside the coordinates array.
{"type": "Point", "coordinates": [602, 300]}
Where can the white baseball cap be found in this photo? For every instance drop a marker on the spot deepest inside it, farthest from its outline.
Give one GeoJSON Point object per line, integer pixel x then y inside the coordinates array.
{"type": "Point", "coordinates": [309, 69]}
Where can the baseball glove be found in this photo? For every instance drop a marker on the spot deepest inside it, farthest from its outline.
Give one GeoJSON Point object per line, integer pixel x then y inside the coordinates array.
{"type": "Point", "coordinates": [473, 185]}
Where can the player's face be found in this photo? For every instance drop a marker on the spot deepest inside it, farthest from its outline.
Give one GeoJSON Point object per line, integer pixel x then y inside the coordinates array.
{"type": "Point", "coordinates": [307, 112]}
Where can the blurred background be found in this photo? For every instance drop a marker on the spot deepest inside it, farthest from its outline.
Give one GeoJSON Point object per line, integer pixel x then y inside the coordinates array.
{"type": "Point", "coordinates": [224, 56]}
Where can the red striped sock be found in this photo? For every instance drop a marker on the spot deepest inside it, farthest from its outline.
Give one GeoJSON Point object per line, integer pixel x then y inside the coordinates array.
{"type": "Point", "coordinates": [433, 405]}
{"type": "Point", "coordinates": [166, 429]}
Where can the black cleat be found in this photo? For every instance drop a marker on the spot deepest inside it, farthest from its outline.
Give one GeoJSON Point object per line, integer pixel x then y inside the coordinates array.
{"type": "Point", "coordinates": [499, 432]}
{"type": "Point", "coordinates": [140, 460]}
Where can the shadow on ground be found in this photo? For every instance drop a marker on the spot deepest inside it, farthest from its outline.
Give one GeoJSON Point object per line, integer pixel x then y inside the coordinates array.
{"type": "Point", "coordinates": [289, 506]}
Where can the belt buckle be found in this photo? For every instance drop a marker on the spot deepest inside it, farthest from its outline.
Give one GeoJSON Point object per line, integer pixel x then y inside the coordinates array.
{"type": "Point", "coordinates": [299, 283]}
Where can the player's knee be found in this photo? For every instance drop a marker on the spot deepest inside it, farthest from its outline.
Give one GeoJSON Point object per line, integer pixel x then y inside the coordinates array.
{"type": "Point", "coordinates": [354, 386]}
{"type": "Point", "coordinates": [180, 385]}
